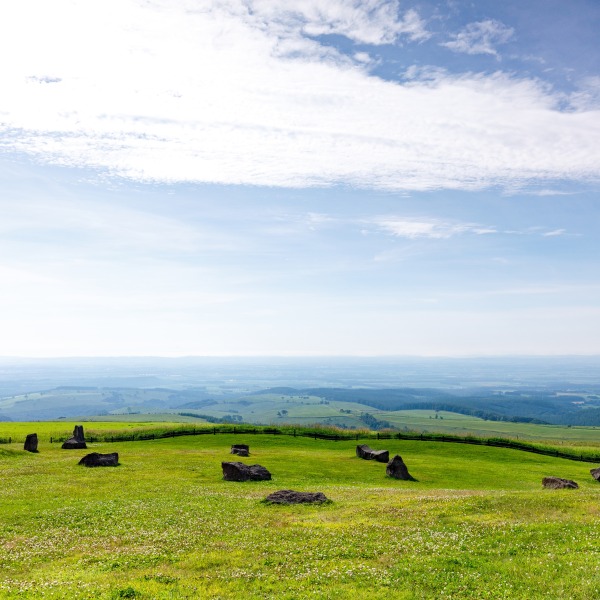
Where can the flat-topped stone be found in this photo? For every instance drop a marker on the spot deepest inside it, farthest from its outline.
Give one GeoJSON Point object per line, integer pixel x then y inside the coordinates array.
{"type": "Point", "coordinates": [292, 497]}
{"type": "Point", "coordinates": [240, 449]}
{"type": "Point", "coordinates": [237, 471]}
{"type": "Point", "coordinates": [95, 459]}
{"type": "Point", "coordinates": [558, 483]}
{"type": "Point", "coordinates": [365, 452]}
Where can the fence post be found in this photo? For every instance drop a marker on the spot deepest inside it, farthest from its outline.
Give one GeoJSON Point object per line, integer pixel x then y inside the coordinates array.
{"type": "Point", "coordinates": [378, 435]}
{"type": "Point", "coordinates": [50, 440]}
{"type": "Point", "coordinates": [294, 433]}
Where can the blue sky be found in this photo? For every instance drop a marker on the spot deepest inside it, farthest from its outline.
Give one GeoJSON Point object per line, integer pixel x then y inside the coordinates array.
{"type": "Point", "coordinates": [263, 177]}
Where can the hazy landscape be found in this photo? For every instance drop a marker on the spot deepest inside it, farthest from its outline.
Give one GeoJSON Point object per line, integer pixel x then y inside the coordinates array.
{"type": "Point", "coordinates": [300, 300]}
{"type": "Point", "coordinates": [334, 391]}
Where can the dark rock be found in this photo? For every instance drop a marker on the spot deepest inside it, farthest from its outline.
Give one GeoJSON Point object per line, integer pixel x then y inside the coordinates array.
{"type": "Point", "coordinates": [73, 444]}
{"type": "Point", "coordinates": [595, 473]}
{"type": "Point", "coordinates": [237, 471]}
{"type": "Point", "coordinates": [367, 453]}
{"type": "Point", "coordinates": [363, 451]}
{"type": "Point", "coordinates": [240, 449]}
{"type": "Point", "coordinates": [291, 497]}
{"type": "Point", "coordinates": [382, 456]}
{"type": "Point", "coordinates": [96, 459]}
{"type": "Point", "coordinates": [397, 469]}
{"type": "Point", "coordinates": [557, 483]}
{"type": "Point", "coordinates": [31, 442]}
{"type": "Point", "coordinates": [76, 442]}
{"type": "Point", "coordinates": [78, 433]}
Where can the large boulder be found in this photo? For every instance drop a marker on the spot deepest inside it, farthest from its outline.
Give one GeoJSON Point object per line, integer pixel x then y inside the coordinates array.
{"type": "Point", "coordinates": [77, 441]}
{"type": "Point", "coordinates": [557, 483]}
{"type": "Point", "coordinates": [96, 459]}
{"type": "Point", "coordinates": [31, 442]}
{"type": "Point", "coordinates": [365, 452]}
{"type": "Point", "coordinates": [595, 473]}
{"type": "Point", "coordinates": [292, 497]}
{"type": "Point", "coordinates": [397, 469]}
{"type": "Point", "coordinates": [240, 449]}
{"type": "Point", "coordinates": [237, 471]}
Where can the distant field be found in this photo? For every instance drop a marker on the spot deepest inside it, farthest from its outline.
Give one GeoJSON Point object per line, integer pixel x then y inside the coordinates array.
{"type": "Point", "coordinates": [306, 410]}
{"type": "Point", "coordinates": [421, 420]}
{"type": "Point", "coordinates": [164, 525]}
{"type": "Point", "coordinates": [166, 418]}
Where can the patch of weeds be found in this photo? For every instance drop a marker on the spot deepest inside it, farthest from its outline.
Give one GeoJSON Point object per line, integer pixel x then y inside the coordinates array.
{"type": "Point", "coordinates": [127, 592]}
{"type": "Point", "coordinates": [160, 578]}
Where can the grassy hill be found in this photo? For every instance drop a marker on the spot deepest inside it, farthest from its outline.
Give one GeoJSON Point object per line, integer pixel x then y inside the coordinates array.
{"type": "Point", "coordinates": [475, 523]}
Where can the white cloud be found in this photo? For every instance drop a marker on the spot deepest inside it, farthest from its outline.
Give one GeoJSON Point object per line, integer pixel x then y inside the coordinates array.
{"type": "Point", "coordinates": [480, 38]}
{"type": "Point", "coordinates": [555, 232]}
{"type": "Point", "coordinates": [429, 228]}
{"type": "Point", "coordinates": [587, 96]}
{"type": "Point", "coordinates": [362, 57]}
{"type": "Point", "coordinates": [546, 192]}
{"type": "Point", "coordinates": [235, 93]}
{"type": "Point", "coordinates": [364, 21]}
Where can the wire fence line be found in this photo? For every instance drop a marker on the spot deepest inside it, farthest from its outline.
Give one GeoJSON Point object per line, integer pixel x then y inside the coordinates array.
{"type": "Point", "coordinates": [316, 434]}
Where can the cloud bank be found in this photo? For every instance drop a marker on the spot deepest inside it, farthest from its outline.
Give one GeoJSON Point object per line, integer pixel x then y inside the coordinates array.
{"type": "Point", "coordinates": [237, 92]}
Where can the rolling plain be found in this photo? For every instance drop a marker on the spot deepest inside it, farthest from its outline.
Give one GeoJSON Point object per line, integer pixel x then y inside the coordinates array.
{"type": "Point", "coordinates": [476, 523]}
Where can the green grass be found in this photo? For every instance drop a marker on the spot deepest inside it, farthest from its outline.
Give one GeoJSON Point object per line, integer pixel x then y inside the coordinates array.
{"type": "Point", "coordinates": [475, 524]}
{"type": "Point", "coordinates": [144, 431]}
{"type": "Point", "coordinates": [64, 429]}
{"type": "Point", "coordinates": [454, 423]}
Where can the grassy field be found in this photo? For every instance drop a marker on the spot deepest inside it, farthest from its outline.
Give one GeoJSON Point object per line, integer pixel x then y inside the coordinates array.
{"type": "Point", "coordinates": [475, 523]}
{"type": "Point", "coordinates": [447, 422]}
{"type": "Point", "coordinates": [56, 429]}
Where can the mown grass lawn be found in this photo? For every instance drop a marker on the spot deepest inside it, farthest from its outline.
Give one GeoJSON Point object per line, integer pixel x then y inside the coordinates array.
{"type": "Point", "coordinates": [164, 524]}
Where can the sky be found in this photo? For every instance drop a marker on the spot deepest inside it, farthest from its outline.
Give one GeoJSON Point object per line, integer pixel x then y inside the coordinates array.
{"type": "Point", "coordinates": [299, 177]}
